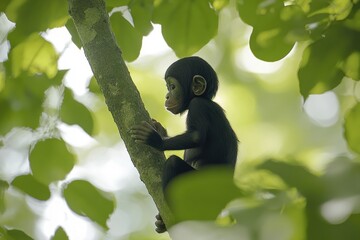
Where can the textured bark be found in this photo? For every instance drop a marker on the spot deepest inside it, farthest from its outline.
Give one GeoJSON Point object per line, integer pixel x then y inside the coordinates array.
{"type": "Point", "coordinates": [121, 95]}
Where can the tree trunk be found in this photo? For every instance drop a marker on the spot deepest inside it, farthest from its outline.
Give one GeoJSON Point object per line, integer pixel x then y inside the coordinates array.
{"type": "Point", "coordinates": [121, 95]}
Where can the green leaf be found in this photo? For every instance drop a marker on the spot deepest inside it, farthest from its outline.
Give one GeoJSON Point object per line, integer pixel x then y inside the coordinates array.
{"type": "Point", "coordinates": [20, 109]}
{"type": "Point", "coordinates": [297, 176]}
{"type": "Point", "coordinates": [127, 37]}
{"type": "Point", "coordinates": [116, 3]}
{"type": "Point", "coordinates": [72, 112]}
{"type": "Point", "coordinates": [70, 26]}
{"type": "Point", "coordinates": [276, 27]}
{"type": "Point", "coordinates": [352, 133]}
{"type": "Point", "coordinates": [219, 4]}
{"type": "Point", "coordinates": [270, 45]}
{"type": "Point", "coordinates": [94, 86]}
{"type": "Point", "coordinates": [60, 234]}
{"type": "Point", "coordinates": [86, 200]}
{"type": "Point", "coordinates": [3, 187]}
{"type": "Point", "coordinates": [34, 55]}
{"type": "Point", "coordinates": [260, 13]}
{"type": "Point", "coordinates": [141, 12]}
{"type": "Point", "coordinates": [12, 116]}
{"type": "Point", "coordinates": [320, 69]}
{"type": "Point", "coordinates": [35, 16]}
{"type": "Point", "coordinates": [3, 5]}
{"type": "Point", "coordinates": [15, 234]}
{"type": "Point", "coordinates": [31, 186]}
{"type": "Point", "coordinates": [337, 9]}
{"type": "Point", "coordinates": [187, 25]}
{"type": "Point", "coordinates": [201, 195]}
{"type": "Point", "coordinates": [351, 66]}
{"type": "Point", "coordinates": [50, 161]}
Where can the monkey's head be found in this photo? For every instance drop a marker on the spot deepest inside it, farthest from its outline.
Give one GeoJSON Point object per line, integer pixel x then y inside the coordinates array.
{"type": "Point", "coordinates": [188, 78]}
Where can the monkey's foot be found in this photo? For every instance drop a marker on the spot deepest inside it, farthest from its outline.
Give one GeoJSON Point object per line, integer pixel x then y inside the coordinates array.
{"type": "Point", "coordinates": [160, 225]}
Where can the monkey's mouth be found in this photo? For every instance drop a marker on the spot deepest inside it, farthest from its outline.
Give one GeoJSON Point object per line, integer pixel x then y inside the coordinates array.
{"type": "Point", "coordinates": [172, 108]}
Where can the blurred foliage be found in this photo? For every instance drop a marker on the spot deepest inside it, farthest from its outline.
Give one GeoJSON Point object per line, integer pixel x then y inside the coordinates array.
{"type": "Point", "coordinates": [84, 199]}
{"type": "Point", "coordinates": [29, 185]}
{"type": "Point", "coordinates": [207, 203]}
{"type": "Point", "coordinates": [352, 123]}
{"type": "Point", "coordinates": [186, 25]}
{"type": "Point", "coordinates": [13, 235]}
{"type": "Point", "coordinates": [83, 118]}
{"type": "Point", "coordinates": [132, 42]}
{"type": "Point", "coordinates": [309, 192]}
{"type": "Point", "coordinates": [60, 234]}
{"type": "Point", "coordinates": [50, 161]}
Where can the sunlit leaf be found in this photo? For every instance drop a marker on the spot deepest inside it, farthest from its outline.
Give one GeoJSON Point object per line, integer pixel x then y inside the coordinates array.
{"type": "Point", "coordinates": [219, 4]}
{"type": "Point", "coordinates": [186, 25]}
{"type": "Point", "coordinates": [352, 133]}
{"type": "Point", "coordinates": [320, 69]}
{"type": "Point", "coordinates": [34, 55]}
{"type": "Point", "coordinates": [260, 13]}
{"type": "Point", "coordinates": [201, 195]}
{"type": "Point", "coordinates": [60, 234]}
{"type": "Point", "coordinates": [35, 15]}
{"type": "Point", "coordinates": [276, 27]}
{"type": "Point", "coordinates": [351, 65]}
{"type": "Point", "coordinates": [127, 37]}
{"type": "Point", "coordinates": [31, 186]}
{"type": "Point", "coordinates": [86, 200]}
{"type": "Point", "coordinates": [270, 45]}
{"type": "Point", "coordinates": [72, 112]}
{"type": "Point", "coordinates": [141, 12]}
{"type": "Point", "coordinates": [50, 161]}
{"type": "Point", "coordinates": [353, 21]}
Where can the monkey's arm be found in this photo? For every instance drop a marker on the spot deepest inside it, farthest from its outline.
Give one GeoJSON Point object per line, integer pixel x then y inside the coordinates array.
{"type": "Point", "coordinates": [148, 134]}
{"type": "Point", "coordinates": [189, 139]}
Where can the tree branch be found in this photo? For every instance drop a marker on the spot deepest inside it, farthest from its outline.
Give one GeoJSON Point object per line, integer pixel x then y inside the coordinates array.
{"type": "Point", "coordinates": [121, 95]}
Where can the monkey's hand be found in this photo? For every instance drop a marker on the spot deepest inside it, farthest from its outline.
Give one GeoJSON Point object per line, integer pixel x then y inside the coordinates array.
{"type": "Point", "coordinates": [159, 128]}
{"type": "Point", "coordinates": [147, 134]}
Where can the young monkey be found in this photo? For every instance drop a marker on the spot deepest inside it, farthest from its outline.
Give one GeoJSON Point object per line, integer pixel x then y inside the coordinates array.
{"type": "Point", "coordinates": [208, 140]}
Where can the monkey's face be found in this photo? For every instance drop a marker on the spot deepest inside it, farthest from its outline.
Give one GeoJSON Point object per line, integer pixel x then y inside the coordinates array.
{"type": "Point", "coordinates": [175, 96]}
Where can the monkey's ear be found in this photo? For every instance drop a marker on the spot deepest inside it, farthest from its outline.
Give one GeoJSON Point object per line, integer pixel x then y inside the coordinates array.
{"type": "Point", "coordinates": [198, 85]}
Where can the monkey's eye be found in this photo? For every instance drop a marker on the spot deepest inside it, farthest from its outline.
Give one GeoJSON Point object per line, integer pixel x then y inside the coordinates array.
{"type": "Point", "coordinates": [170, 87]}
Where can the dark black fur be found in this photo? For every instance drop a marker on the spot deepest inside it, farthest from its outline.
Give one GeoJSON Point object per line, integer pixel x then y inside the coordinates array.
{"type": "Point", "coordinates": [219, 144]}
